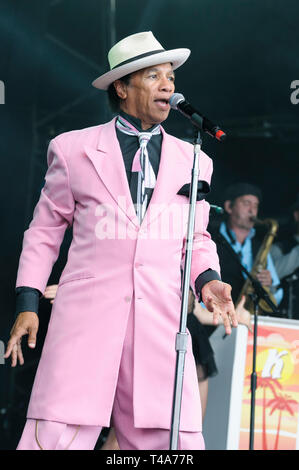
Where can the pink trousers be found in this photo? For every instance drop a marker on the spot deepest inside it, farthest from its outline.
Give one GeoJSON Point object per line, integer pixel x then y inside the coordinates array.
{"type": "Point", "coordinates": [52, 435]}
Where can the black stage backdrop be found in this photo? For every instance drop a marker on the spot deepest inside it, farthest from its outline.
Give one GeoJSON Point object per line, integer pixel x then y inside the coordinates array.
{"type": "Point", "coordinates": [244, 59]}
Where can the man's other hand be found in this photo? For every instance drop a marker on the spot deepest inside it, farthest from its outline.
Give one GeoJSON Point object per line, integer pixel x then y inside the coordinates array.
{"type": "Point", "coordinates": [216, 296]}
{"type": "Point", "coordinates": [25, 324]}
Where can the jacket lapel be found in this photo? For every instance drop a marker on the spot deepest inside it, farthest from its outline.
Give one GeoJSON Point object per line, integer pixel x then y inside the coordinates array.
{"type": "Point", "coordinates": [171, 176]}
{"type": "Point", "coordinates": [108, 162]}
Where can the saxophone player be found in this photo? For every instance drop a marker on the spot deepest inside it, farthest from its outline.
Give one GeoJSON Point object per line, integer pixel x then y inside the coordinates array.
{"type": "Point", "coordinates": [241, 205]}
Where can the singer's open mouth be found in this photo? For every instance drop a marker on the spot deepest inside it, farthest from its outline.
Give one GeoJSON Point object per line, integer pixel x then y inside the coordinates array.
{"type": "Point", "coordinates": [163, 103]}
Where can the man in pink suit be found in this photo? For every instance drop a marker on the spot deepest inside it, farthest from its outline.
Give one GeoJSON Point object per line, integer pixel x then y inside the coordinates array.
{"type": "Point", "coordinates": [109, 354]}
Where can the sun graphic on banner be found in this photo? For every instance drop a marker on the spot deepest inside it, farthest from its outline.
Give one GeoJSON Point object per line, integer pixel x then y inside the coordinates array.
{"type": "Point", "coordinates": [282, 369]}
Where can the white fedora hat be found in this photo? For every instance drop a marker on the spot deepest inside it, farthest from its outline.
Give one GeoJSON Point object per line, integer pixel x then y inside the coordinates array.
{"type": "Point", "coordinates": [137, 52]}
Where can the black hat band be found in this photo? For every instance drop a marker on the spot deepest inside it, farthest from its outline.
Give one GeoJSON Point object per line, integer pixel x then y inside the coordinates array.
{"type": "Point", "coordinates": [137, 57]}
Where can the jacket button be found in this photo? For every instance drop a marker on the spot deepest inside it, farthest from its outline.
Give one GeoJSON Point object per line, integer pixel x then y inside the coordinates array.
{"type": "Point", "coordinates": [137, 265]}
{"type": "Point", "coordinates": [127, 298]}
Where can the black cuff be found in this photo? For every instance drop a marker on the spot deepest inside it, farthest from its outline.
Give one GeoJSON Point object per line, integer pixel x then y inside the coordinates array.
{"type": "Point", "coordinates": [27, 300]}
{"type": "Point", "coordinates": [203, 278]}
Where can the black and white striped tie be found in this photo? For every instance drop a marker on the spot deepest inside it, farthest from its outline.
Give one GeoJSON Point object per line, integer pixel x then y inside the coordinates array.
{"type": "Point", "coordinates": [141, 164]}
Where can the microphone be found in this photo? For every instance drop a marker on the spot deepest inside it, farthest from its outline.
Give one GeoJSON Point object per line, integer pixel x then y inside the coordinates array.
{"type": "Point", "coordinates": [177, 101]}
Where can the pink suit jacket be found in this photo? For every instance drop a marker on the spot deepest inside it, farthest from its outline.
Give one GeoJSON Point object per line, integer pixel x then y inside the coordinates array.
{"type": "Point", "coordinates": [112, 262]}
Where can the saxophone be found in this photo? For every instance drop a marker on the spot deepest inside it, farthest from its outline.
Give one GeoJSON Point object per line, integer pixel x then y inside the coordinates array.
{"type": "Point", "coordinates": [260, 263]}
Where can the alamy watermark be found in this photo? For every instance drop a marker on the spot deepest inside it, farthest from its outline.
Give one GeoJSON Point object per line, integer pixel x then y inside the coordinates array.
{"type": "Point", "coordinates": [162, 222]}
{"type": "Point", "coordinates": [2, 92]}
{"type": "Point", "coordinates": [295, 94]}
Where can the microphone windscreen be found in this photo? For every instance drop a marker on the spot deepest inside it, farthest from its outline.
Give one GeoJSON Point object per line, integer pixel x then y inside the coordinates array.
{"type": "Point", "coordinates": [175, 99]}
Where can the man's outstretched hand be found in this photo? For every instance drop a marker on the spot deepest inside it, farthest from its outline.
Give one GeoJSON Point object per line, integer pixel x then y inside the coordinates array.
{"type": "Point", "coordinates": [216, 296]}
{"type": "Point", "coordinates": [25, 324]}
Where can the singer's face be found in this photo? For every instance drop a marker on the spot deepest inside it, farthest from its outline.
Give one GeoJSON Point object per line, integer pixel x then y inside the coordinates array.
{"type": "Point", "coordinates": [147, 94]}
{"type": "Point", "coordinates": [242, 211]}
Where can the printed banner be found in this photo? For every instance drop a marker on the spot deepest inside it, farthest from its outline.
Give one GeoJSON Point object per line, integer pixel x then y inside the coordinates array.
{"type": "Point", "coordinates": [277, 393]}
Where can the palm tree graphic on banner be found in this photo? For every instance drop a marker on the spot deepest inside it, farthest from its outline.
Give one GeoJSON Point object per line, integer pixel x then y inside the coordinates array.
{"type": "Point", "coordinates": [266, 383]}
{"type": "Point", "coordinates": [281, 403]}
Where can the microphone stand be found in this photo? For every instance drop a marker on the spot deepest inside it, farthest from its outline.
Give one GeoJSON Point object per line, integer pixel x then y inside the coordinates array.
{"type": "Point", "coordinates": [258, 294]}
{"type": "Point", "coordinates": [253, 378]}
{"type": "Point", "coordinates": [182, 335]}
